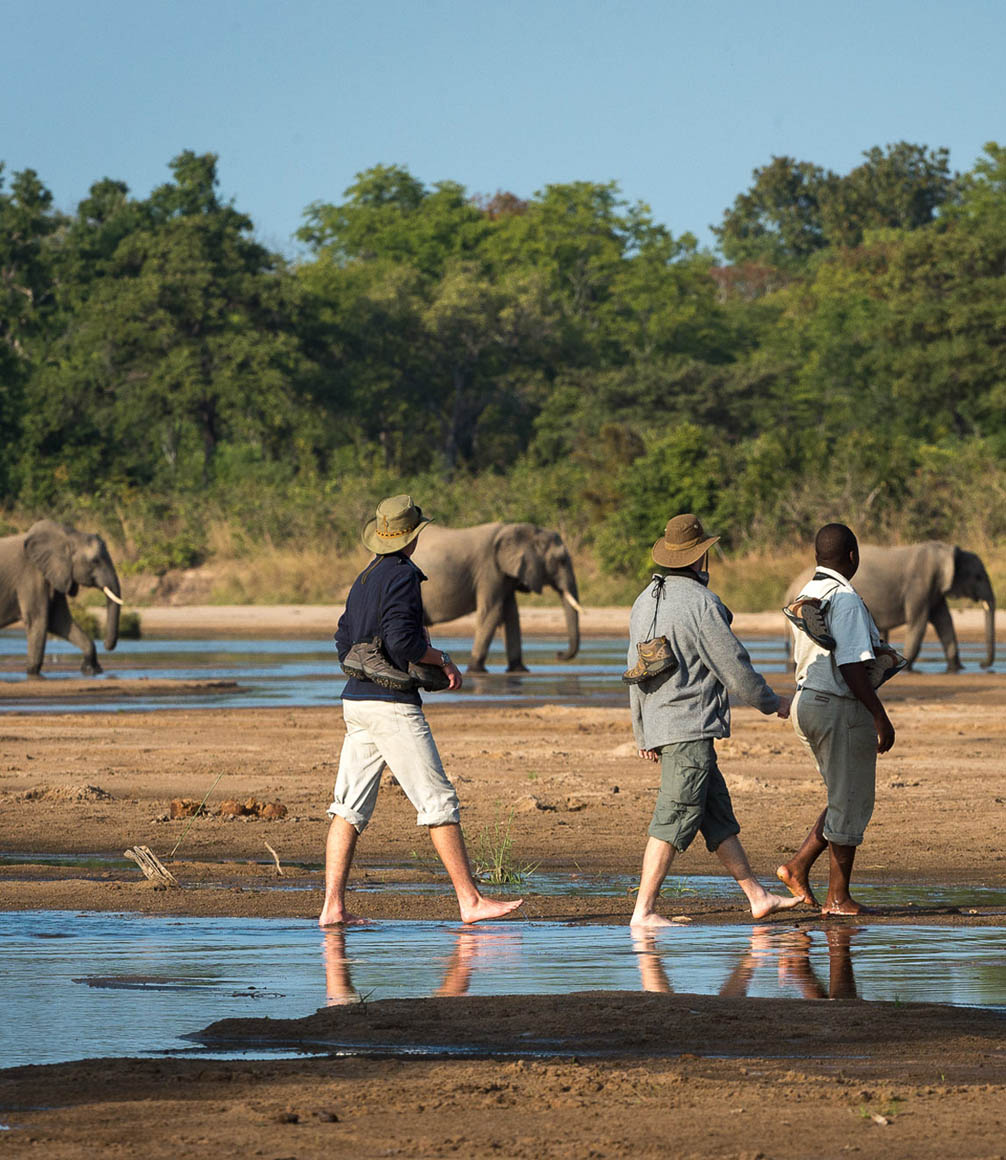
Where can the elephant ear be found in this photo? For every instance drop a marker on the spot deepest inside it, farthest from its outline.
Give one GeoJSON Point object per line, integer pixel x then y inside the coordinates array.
{"type": "Point", "coordinates": [519, 556]}
{"type": "Point", "coordinates": [947, 567]}
{"type": "Point", "coordinates": [47, 546]}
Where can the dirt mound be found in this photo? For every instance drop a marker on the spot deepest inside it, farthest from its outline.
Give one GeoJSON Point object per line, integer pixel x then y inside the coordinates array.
{"type": "Point", "coordinates": [65, 793]}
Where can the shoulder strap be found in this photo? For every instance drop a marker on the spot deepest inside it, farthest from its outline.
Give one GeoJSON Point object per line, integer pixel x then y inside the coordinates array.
{"type": "Point", "coordinates": [656, 592]}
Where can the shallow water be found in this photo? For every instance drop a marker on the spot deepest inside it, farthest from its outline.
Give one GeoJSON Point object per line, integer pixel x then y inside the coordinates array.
{"type": "Point", "coordinates": [306, 672]}
{"type": "Point", "coordinates": [89, 985]}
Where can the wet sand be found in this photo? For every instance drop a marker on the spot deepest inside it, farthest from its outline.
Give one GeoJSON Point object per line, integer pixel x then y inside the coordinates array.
{"type": "Point", "coordinates": [697, 1076]}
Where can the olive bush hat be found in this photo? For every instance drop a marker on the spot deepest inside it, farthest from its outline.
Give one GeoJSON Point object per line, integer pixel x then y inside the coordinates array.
{"type": "Point", "coordinates": [684, 541]}
{"type": "Point", "coordinates": [397, 523]}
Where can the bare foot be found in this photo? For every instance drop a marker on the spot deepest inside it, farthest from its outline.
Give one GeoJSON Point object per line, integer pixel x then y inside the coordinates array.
{"type": "Point", "coordinates": [849, 906]}
{"type": "Point", "coordinates": [797, 885]}
{"type": "Point", "coordinates": [649, 921]}
{"type": "Point", "coordinates": [770, 903]}
{"type": "Point", "coordinates": [488, 908]}
{"type": "Point", "coordinates": [330, 916]}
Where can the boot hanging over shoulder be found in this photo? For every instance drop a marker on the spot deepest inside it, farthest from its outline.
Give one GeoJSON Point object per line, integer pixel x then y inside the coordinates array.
{"type": "Point", "coordinates": [808, 614]}
{"type": "Point", "coordinates": [654, 657]}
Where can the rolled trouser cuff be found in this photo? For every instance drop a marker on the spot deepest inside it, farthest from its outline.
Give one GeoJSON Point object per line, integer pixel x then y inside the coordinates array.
{"type": "Point", "coordinates": [357, 820]}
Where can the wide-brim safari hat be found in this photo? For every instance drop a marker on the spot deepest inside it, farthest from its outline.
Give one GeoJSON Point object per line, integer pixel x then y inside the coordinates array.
{"type": "Point", "coordinates": [684, 541]}
{"type": "Point", "coordinates": [397, 523]}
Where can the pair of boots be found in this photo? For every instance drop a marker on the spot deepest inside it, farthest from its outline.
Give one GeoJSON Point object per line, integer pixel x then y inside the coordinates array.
{"type": "Point", "coordinates": [367, 661]}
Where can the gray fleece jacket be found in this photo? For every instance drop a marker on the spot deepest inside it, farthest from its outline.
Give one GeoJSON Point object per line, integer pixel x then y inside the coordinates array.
{"type": "Point", "coordinates": [691, 703]}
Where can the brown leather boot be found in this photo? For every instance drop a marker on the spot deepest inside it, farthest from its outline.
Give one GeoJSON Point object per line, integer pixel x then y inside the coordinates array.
{"type": "Point", "coordinates": [654, 658]}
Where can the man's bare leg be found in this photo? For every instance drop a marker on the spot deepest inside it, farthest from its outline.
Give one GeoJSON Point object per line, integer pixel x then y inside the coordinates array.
{"type": "Point", "coordinates": [763, 902]}
{"type": "Point", "coordinates": [339, 850]}
{"type": "Point", "coordinates": [450, 845]}
{"type": "Point", "coordinates": [839, 901]}
{"type": "Point", "coordinates": [795, 874]}
{"type": "Point", "coordinates": [657, 859]}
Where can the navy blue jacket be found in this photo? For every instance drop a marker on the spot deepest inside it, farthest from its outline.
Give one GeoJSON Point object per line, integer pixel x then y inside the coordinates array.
{"type": "Point", "coordinates": [384, 601]}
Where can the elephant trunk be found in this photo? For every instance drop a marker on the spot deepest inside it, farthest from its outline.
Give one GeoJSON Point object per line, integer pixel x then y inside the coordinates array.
{"type": "Point", "coordinates": [990, 633]}
{"type": "Point", "coordinates": [113, 602]}
{"type": "Point", "coordinates": [571, 608]}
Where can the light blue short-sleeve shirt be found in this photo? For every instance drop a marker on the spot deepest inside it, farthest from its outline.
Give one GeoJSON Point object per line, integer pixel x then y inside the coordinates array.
{"type": "Point", "coordinates": [850, 623]}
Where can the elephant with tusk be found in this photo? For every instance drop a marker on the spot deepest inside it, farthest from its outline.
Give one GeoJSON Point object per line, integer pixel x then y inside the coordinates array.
{"type": "Point", "coordinates": [909, 586]}
{"type": "Point", "coordinates": [481, 569]}
{"type": "Point", "coordinates": [38, 571]}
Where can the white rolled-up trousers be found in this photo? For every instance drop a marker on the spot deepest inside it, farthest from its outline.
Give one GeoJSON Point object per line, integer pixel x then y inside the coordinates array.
{"type": "Point", "coordinates": [388, 734]}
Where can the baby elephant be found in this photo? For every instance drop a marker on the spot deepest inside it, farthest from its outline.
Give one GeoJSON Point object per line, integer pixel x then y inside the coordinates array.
{"type": "Point", "coordinates": [38, 571]}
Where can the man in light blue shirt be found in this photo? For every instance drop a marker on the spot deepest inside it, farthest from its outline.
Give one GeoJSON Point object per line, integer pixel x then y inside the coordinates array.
{"type": "Point", "coordinates": [837, 714]}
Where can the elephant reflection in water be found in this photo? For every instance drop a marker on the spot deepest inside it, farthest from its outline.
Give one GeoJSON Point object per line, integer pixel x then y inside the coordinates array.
{"type": "Point", "coordinates": [469, 946]}
{"type": "Point", "coordinates": [792, 948]}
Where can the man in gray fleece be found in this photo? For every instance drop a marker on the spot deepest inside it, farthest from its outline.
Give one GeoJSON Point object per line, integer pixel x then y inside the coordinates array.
{"type": "Point", "coordinates": [678, 714]}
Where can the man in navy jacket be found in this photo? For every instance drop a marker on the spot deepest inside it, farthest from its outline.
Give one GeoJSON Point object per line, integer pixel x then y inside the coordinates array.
{"type": "Point", "coordinates": [386, 727]}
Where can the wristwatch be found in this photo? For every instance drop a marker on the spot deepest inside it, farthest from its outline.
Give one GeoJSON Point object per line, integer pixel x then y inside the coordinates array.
{"type": "Point", "coordinates": [445, 658]}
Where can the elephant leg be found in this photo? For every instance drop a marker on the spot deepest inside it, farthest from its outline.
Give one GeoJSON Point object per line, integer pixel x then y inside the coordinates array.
{"type": "Point", "coordinates": [943, 622]}
{"type": "Point", "coordinates": [61, 623]}
{"type": "Point", "coordinates": [37, 627]}
{"type": "Point", "coordinates": [916, 630]}
{"type": "Point", "coordinates": [511, 631]}
{"type": "Point", "coordinates": [486, 623]}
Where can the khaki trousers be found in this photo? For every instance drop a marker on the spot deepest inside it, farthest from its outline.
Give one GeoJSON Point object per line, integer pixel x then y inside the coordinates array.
{"type": "Point", "coordinates": [840, 734]}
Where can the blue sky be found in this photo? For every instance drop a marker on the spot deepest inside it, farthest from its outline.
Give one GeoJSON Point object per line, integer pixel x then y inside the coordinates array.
{"type": "Point", "coordinates": [678, 102]}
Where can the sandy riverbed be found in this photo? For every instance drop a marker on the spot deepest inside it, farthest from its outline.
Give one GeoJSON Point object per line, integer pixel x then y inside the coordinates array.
{"type": "Point", "coordinates": [693, 1076]}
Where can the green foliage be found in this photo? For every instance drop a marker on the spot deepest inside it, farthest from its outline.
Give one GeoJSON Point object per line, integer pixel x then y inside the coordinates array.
{"type": "Point", "coordinates": [561, 358]}
{"type": "Point", "coordinates": [679, 472]}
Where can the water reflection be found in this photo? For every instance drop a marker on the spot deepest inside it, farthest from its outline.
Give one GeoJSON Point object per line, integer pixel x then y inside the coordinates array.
{"type": "Point", "coordinates": [486, 946]}
{"type": "Point", "coordinates": [283, 672]}
{"type": "Point", "coordinates": [788, 950]}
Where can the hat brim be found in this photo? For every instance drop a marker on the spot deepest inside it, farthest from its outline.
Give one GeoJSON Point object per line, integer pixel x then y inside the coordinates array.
{"type": "Point", "coordinates": [667, 557]}
{"type": "Point", "coordinates": [385, 545]}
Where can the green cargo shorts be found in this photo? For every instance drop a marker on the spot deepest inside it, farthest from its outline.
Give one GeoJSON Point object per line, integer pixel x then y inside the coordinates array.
{"type": "Point", "coordinates": [693, 797]}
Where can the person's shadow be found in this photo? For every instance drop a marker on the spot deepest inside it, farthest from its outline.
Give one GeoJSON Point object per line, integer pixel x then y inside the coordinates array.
{"type": "Point", "coordinates": [790, 948]}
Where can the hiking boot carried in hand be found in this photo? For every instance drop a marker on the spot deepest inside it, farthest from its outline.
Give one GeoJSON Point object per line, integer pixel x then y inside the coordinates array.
{"type": "Point", "coordinates": [367, 661]}
{"type": "Point", "coordinates": [808, 614]}
{"type": "Point", "coordinates": [432, 678]}
{"type": "Point", "coordinates": [654, 657]}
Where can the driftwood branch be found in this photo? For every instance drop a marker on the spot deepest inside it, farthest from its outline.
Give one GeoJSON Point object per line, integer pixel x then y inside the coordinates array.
{"type": "Point", "coordinates": [151, 865]}
{"type": "Point", "coordinates": [279, 868]}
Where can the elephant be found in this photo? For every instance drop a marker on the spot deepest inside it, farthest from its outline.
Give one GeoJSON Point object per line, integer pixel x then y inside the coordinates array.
{"type": "Point", "coordinates": [38, 570]}
{"type": "Point", "coordinates": [909, 585]}
{"type": "Point", "coordinates": [480, 569]}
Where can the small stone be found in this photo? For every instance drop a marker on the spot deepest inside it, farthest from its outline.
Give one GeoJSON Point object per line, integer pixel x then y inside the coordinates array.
{"type": "Point", "coordinates": [327, 1117]}
{"type": "Point", "coordinates": [574, 804]}
{"type": "Point", "coordinates": [287, 1118]}
{"type": "Point", "coordinates": [682, 918]}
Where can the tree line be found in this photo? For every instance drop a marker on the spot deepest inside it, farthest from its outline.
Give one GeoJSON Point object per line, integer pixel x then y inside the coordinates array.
{"type": "Point", "coordinates": [563, 358]}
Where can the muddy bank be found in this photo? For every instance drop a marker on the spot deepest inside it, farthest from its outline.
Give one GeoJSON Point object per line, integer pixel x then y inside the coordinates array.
{"type": "Point", "coordinates": [565, 781]}
{"type": "Point", "coordinates": [692, 1076]}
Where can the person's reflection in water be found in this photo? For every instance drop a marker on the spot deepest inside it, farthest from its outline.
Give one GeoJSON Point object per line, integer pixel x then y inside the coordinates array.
{"type": "Point", "coordinates": [794, 965]}
{"type": "Point", "coordinates": [651, 966]}
{"type": "Point", "coordinates": [469, 945]}
{"type": "Point", "coordinates": [339, 989]}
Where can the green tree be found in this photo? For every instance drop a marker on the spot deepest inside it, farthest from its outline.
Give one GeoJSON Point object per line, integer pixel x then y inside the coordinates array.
{"type": "Point", "coordinates": [184, 342]}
